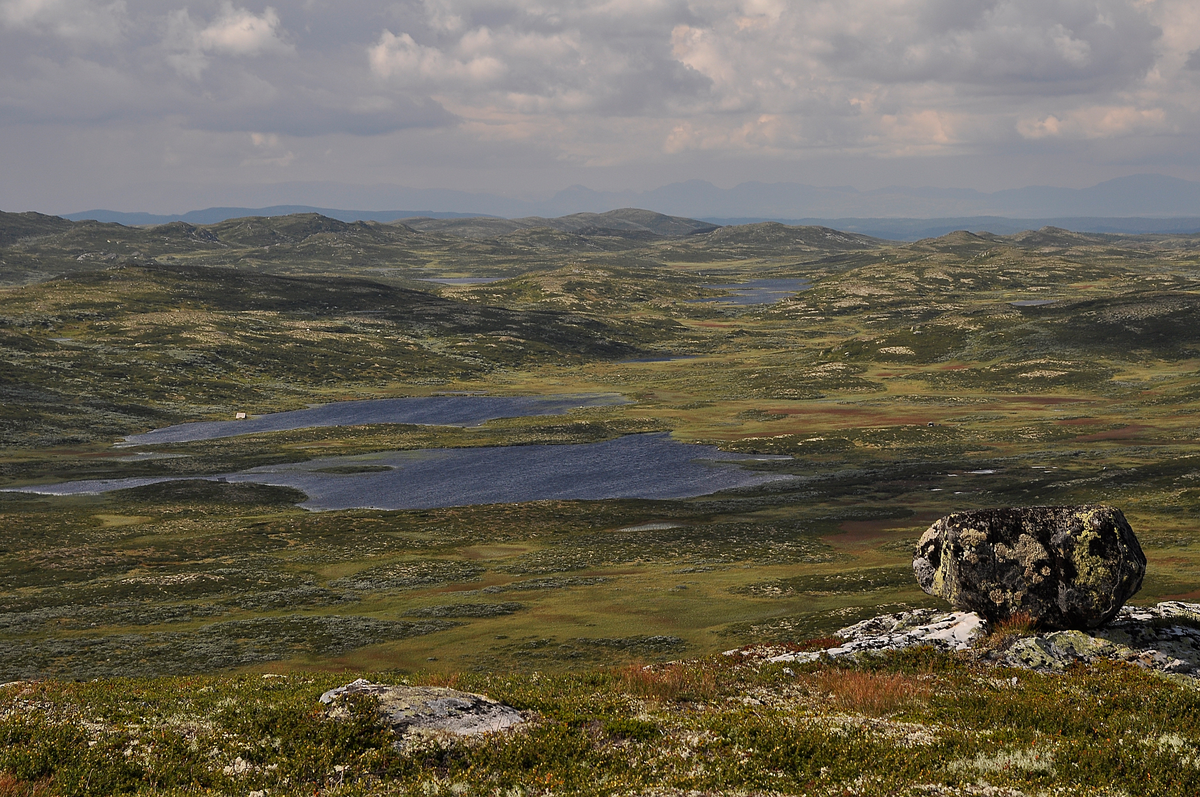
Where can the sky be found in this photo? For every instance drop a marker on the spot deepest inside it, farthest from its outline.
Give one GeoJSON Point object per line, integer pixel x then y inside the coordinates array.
{"type": "Point", "coordinates": [166, 105]}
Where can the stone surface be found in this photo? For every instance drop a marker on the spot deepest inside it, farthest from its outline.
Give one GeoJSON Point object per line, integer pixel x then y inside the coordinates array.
{"type": "Point", "coordinates": [947, 630]}
{"type": "Point", "coordinates": [1070, 567]}
{"type": "Point", "coordinates": [1164, 638]}
{"type": "Point", "coordinates": [428, 710]}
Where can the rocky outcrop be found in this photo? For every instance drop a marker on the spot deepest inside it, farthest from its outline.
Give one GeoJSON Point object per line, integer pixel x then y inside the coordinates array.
{"type": "Point", "coordinates": [427, 710]}
{"type": "Point", "coordinates": [946, 630]}
{"type": "Point", "coordinates": [1164, 638]}
{"type": "Point", "coordinates": [1069, 567]}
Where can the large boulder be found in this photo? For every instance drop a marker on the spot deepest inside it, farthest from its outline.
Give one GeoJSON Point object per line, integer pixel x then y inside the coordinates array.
{"type": "Point", "coordinates": [1070, 567]}
{"type": "Point", "coordinates": [413, 711]}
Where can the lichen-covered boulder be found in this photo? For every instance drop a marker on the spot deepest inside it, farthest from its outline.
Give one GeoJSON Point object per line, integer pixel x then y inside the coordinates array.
{"type": "Point", "coordinates": [427, 710]}
{"type": "Point", "coordinates": [1067, 566]}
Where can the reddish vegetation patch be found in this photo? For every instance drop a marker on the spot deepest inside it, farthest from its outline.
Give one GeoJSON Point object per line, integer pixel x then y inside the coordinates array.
{"type": "Point", "coordinates": [1124, 433]}
{"type": "Point", "coordinates": [857, 416]}
{"type": "Point", "coordinates": [1051, 400]}
{"type": "Point", "coordinates": [860, 532]}
{"type": "Point", "coordinates": [871, 693]}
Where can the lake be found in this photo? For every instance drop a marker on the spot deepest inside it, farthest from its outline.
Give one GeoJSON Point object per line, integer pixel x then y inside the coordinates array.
{"type": "Point", "coordinates": [651, 466]}
{"type": "Point", "coordinates": [424, 410]}
{"type": "Point", "coordinates": [764, 291]}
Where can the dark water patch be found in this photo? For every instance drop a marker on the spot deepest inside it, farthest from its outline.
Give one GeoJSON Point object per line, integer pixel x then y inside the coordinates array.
{"type": "Point", "coordinates": [666, 358]}
{"type": "Point", "coordinates": [1032, 302]}
{"type": "Point", "coordinates": [650, 466]}
{"type": "Point", "coordinates": [764, 291]}
{"type": "Point", "coordinates": [421, 410]}
{"type": "Point", "coordinates": [462, 280]}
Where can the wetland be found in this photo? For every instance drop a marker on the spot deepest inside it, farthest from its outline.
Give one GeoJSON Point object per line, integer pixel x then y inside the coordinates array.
{"type": "Point", "coordinates": [776, 462]}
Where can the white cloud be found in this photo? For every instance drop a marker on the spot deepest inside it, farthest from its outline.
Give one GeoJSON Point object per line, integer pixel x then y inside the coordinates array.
{"type": "Point", "coordinates": [410, 64]}
{"type": "Point", "coordinates": [239, 32]}
{"type": "Point", "coordinates": [78, 20]}
{"type": "Point", "coordinates": [894, 76]}
{"type": "Point", "coordinates": [235, 32]}
{"type": "Point", "coordinates": [1094, 122]}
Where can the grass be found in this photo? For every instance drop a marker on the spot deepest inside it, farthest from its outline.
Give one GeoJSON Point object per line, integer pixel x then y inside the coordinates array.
{"type": "Point", "coordinates": [1002, 634]}
{"type": "Point", "coordinates": [912, 724]}
{"type": "Point", "coordinates": [902, 386]}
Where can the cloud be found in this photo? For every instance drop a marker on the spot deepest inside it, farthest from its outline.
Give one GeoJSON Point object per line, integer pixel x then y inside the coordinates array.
{"type": "Point", "coordinates": [234, 32]}
{"type": "Point", "coordinates": [494, 58]}
{"type": "Point", "coordinates": [772, 76]}
{"type": "Point", "coordinates": [641, 85]}
{"type": "Point", "coordinates": [1094, 122]}
{"type": "Point", "coordinates": [73, 20]}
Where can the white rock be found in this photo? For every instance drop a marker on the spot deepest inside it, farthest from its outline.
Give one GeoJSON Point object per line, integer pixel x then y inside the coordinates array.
{"type": "Point", "coordinates": [411, 710]}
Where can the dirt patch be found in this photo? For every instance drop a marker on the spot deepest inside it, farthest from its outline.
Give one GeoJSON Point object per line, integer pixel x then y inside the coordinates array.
{"type": "Point", "coordinates": [1124, 433]}
{"type": "Point", "coordinates": [494, 551]}
{"type": "Point", "coordinates": [856, 533]}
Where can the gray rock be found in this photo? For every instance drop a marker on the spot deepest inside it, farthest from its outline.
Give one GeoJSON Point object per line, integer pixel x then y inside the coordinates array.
{"type": "Point", "coordinates": [1163, 638]}
{"type": "Point", "coordinates": [955, 631]}
{"type": "Point", "coordinates": [1069, 567]}
{"type": "Point", "coordinates": [427, 710]}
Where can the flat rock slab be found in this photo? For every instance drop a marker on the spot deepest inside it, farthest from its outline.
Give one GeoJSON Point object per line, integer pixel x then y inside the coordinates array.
{"type": "Point", "coordinates": [946, 630]}
{"type": "Point", "coordinates": [1068, 567]}
{"type": "Point", "coordinates": [1164, 638]}
{"type": "Point", "coordinates": [431, 710]}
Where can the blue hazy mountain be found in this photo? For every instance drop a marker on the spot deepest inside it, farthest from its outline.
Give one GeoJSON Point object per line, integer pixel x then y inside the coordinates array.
{"type": "Point", "coordinates": [1110, 206]}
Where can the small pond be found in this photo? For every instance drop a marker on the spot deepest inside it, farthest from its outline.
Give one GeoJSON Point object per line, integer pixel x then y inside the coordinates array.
{"type": "Point", "coordinates": [427, 411]}
{"type": "Point", "coordinates": [764, 291]}
{"type": "Point", "coordinates": [463, 280]}
{"type": "Point", "coordinates": [649, 466]}
{"type": "Point", "coordinates": [665, 358]}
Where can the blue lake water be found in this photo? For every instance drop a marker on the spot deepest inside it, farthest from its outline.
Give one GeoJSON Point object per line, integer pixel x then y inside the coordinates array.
{"type": "Point", "coordinates": [764, 291]}
{"type": "Point", "coordinates": [429, 411]}
{"type": "Point", "coordinates": [666, 358]}
{"type": "Point", "coordinates": [463, 280]}
{"type": "Point", "coordinates": [635, 466]}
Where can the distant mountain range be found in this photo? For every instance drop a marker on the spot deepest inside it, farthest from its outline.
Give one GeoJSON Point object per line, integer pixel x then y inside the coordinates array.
{"type": "Point", "coordinates": [1138, 203]}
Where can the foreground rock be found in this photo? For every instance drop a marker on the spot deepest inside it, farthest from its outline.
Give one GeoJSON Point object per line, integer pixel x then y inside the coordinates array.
{"type": "Point", "coordinates": [1164, 638]}
{"type": "Point", "coordinates": [1070, 567]}
{"type": "Point", "coordinates": [428, 710]}
{"type": "Point", "coordinates": [946, 630]}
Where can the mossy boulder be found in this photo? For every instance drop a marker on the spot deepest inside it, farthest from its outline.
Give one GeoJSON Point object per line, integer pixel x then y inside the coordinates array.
{"type": "Point", "coordinates": [1069, 567]}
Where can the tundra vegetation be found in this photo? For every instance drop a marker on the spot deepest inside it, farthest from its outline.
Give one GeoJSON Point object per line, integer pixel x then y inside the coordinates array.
{"type": "Point", "coordinates": [907, 382]}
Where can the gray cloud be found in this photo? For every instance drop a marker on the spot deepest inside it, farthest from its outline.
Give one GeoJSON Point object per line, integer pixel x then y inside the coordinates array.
{"type": "Point", "coordinates": [1059, 46]}
{"type": "Point", "coordinates": [595, 86]}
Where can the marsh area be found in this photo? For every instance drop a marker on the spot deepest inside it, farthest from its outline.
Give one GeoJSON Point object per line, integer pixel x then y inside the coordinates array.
{"type": "Point", "coordinates": [884, 386]}
{"type": "Point", "coordinates": [423, 410]}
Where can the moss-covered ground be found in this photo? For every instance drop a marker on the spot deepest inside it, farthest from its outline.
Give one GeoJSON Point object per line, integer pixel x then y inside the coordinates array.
{"type": "Point", "coordinates": [908, 382]}
{"type": "Point", "coordinates": [918, 723]}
